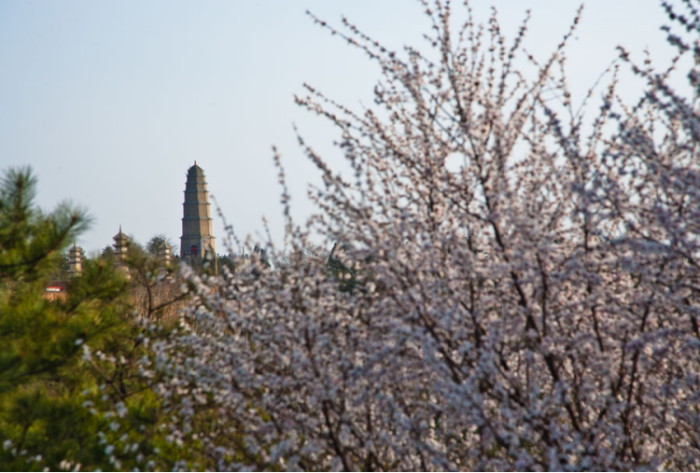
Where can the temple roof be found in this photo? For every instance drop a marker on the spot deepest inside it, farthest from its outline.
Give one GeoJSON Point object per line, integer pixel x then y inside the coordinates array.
{"type": "Point", "coordinates": [119, 237]}
{"type": "Point", "coordinates": [195, 170]}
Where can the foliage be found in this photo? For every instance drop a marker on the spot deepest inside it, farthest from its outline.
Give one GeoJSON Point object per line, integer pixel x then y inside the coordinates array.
{"type": "Point", "coordinates": [226, 262]}
{"type": "Point", "coordinates": [342, 270]}
{"type": "Point", "coordinates": [535, 309]}
{"type": "Point", "coordinates": [107, 253]}
{"type": "Point", "coordinates": [71, 392]}
{"type": "Point", "coordinates": [154, 245]}
{"type": "Point", "coordinates": [30, 241]}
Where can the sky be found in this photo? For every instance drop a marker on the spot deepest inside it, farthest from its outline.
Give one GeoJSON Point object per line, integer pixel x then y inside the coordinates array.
{"type": "Point", "coordinates": [111, 102]}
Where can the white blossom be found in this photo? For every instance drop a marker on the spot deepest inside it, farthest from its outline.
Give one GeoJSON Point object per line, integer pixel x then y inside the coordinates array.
{"type": "Point", "coordinates": [535, 309]}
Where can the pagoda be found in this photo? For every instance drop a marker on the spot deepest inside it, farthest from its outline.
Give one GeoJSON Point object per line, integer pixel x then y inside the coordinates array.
{"type": "Point", "coordinates": [197, 241]}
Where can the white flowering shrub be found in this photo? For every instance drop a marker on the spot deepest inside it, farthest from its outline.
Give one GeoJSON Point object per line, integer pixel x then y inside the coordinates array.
{"type": "Point", "coordinates": [534, 308]}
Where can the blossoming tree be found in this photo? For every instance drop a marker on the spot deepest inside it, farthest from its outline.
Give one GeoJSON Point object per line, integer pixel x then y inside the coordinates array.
{"type": "Point", "coordinates": [536, 308]}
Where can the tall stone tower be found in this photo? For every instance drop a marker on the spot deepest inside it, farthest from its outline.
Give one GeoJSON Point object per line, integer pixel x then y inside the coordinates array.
{"type": "Point", "coordinates": [197, 241]}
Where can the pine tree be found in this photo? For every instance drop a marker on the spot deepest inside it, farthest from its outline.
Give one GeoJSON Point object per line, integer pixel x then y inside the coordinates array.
{"type": "Point", "coordinates": [71, 393]}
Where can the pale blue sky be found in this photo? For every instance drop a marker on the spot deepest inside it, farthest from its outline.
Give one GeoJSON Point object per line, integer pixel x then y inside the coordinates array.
{"type": "Point", "coordinates": [111, 102]}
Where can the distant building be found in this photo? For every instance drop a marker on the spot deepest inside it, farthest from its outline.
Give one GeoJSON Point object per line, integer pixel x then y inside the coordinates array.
{"type": "Point", "coordinates": [197, 241]}
{"type": "Point", "coordinates": [196, 244]}
{"type": "Point", "coordinates": [75, 261]}
{"type": "Point", "coordinates": [164, 253]}
{"type": "Point", "coordinates": [121, 247]}
{"type": "Point", "coordinates": [55, 290]}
